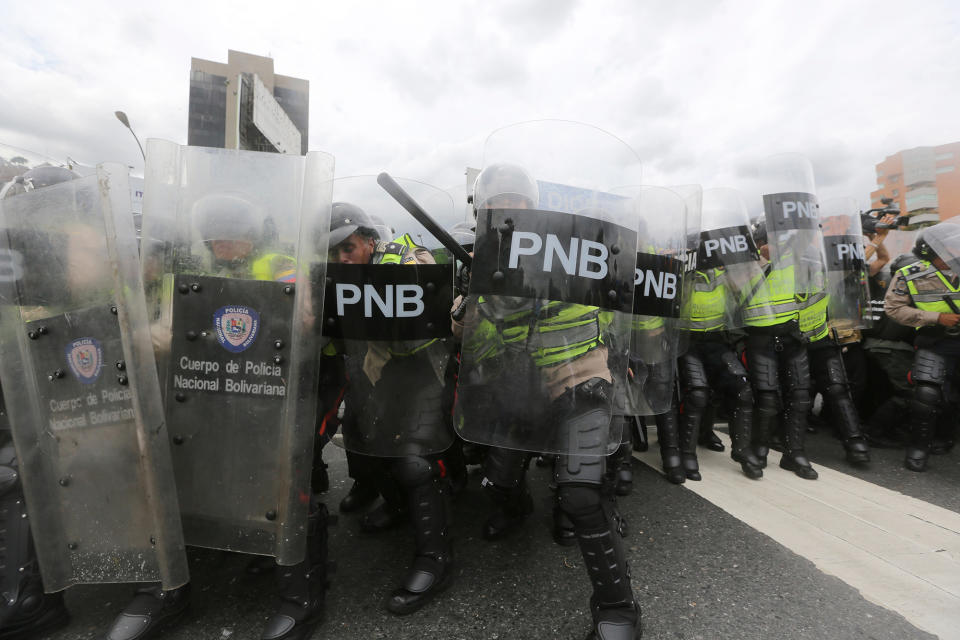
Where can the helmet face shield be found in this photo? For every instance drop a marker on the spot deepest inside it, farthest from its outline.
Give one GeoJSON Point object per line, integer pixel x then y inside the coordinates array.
{"type": "Point", "coordinates": [940, 241]}
{"type": "Point", "coordinates": [505, 186]}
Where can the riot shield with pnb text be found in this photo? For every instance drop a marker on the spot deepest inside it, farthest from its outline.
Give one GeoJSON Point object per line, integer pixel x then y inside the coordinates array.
{"type": "Point", "coordinates": [388, 308]}
{"type": "Point", "coordinates": [552, 277]}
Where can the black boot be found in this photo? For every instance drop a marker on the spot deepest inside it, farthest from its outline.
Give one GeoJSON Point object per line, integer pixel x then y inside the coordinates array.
{"type": "Point", "coordinates": [563, 531]}
{"type": "Point", "coordinates": [921, 439]}
{"type": "Point", "coordinates": [392, 512]}
{"type": "Point", "coordinates": [707, 436]}
{"type": "Point", "coordinates": [669, 438]}
{"type": "Point", "coordinates": [795, 431]}
{"type": "Point", "coordinates": [432, 571]}
{"type": "Point", "coordinates": [302, 588]}
{"type": "Point", "coordinates": [361, 495]}
{"type": "Point", "coordinates": [512, 508]}
{"type": "Point", "coordinates": [741, 422]}
{"type": "Point", "coordinates": [638, 429]}
{"type": "Point", "coordinates": [847, 421]}
{"type": "Point", "coordinates": [32, 613]}
{"type": "Point", "coordinates": [383, 517]}
{"type": "Point", "coordinates": [151, 610]}
{"type": "Point", "coordinates": [766, 418]}
{"type": "Point", "coordinates": [616, 614]}
{"type": "Point", "coordinates": [689, 423]}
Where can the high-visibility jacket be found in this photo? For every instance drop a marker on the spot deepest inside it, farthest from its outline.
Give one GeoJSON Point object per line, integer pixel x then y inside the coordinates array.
{"type": "Point", "coordinates": [930, 300]}
{"type": "Point", "coordinates": [551, 332]}
{"type": "Point", "coordinates": [706, 308]}
{"type": "Point", "coordinates": [779, 302]}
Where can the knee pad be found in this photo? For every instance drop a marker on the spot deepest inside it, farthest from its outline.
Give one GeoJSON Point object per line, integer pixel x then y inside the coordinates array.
{"type": "Point", "coordinates": [927, 398]}
{"type": "Point", "coordinates": [835, 390]}
{"type": "Point", "coordinates": [582, 504]}
{"type": "Point", "coordinates": [411, 471]}
{"type": "Point", "coordinates": [696, 398]}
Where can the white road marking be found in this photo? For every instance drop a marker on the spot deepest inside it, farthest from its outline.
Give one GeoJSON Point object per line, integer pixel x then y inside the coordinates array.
{"type": "Point", "coordinates": [899, 552]}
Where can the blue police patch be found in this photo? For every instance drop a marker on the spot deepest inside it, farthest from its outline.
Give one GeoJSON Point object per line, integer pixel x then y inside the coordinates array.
{"type": "Point", "coordinates": [85, 358]}
{"type": "Point", "coordinates": [237, 327]}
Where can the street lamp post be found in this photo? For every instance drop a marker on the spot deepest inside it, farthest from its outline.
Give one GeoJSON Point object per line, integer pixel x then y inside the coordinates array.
{"type": "Point", "coordinates": [122, 117]}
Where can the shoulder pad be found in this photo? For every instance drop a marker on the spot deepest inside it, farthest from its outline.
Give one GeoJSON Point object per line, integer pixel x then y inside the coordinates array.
{"type": "Point", "coordinates": [914, 268]}
{"type": "Point", "coordinates": [394, 247]}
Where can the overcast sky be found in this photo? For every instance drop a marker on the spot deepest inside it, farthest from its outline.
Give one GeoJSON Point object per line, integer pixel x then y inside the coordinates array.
{"type": "Point", "coordinates": [700, 89]}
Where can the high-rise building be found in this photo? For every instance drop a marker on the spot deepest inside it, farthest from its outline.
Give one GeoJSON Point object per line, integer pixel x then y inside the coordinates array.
{"type": "Point", "coordinates": [924, 181]}
{"type": "Point", "coordinates": [243, 104]}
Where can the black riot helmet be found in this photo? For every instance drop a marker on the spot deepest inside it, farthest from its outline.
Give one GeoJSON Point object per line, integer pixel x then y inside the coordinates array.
{"type": "Point", "coordinates": [902, 261]}
{"type": "Point", "coordinates": [347, 219]}
{"type": "Point", "coordinates": [503, 179]}
{"type": "Point", "coordinates": [38, 178]}
{"type": "Point", "coordinates": [929, 239]}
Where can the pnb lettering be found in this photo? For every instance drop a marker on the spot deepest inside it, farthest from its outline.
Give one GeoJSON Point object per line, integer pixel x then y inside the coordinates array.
{"type": "Point", "coordinates": [799, 209]}
{"type": "Point", "coordinates": [583, 258]}
{"type": "Point", "coordinates": [733, 244]}
{"type": "Point", "coordinates": [851, 251]}
{"type": "Point", "coordinates": [662, 284]}
{"type": "Point", "coordinates": [397, 300]}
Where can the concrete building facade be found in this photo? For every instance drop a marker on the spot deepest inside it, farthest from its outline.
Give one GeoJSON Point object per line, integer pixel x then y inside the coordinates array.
{"type": "Point", "coordinates": [924, 181]}
{"type": "Point", "coordinates": [243, 104]}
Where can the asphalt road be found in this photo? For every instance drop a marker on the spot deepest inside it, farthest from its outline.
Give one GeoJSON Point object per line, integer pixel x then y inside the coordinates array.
{"type": "Point", "coordinates": [699, 573]}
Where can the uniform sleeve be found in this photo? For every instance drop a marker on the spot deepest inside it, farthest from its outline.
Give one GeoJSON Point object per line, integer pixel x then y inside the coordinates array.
{"type": "Point", "coordinates": [897, 305]}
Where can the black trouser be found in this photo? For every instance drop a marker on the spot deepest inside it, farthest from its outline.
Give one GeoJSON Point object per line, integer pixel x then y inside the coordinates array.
{"type": "Point", "coordinates": [934, 368]}
{"type": "Point", "coordinates": [711, 363]}
{"type": "Point", "coordinates": [829, 378]}
{"type": "Point", "coordinates": [582, 421]}
{"type": "Point", "coordinates": [778, 368]}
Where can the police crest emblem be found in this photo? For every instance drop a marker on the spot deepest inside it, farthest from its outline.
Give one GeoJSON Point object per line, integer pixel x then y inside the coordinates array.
{"type": "Point", "coordinates": [237, 327]}
{"type": "Point", "coordinates": [85, 358]}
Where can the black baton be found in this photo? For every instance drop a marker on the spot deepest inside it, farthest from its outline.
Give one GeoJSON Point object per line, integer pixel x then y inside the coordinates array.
{"type": "Point", "coordinates": [396, 191]}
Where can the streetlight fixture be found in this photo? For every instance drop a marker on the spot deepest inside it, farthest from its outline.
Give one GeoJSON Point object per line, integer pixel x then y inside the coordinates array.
{"type": "Point", "coordinates": [122, 117]}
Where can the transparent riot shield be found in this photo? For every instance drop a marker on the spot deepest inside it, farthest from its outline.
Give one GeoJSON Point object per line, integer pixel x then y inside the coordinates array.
{"type": "Point", "coordinates": [847, 285]}
{"type": "Point", "coordinates": [662, 261]}
{"type": "Point", "coordinates": [792, 215]}
{"type": "Point", "coordinates": [551, 280]}
{"type": "Point", "coordinates": [228, 239]}
{"type": "Point", "coordinates": [692, 195]}
{"type": "Point", "coordinates": [388, 309]}
{"type": "Point", "coordinates": [795, 241]}
{"type": "Point", "coordinates": [80, 385]}
{"type": "Point", "coordinates": [728, 265]}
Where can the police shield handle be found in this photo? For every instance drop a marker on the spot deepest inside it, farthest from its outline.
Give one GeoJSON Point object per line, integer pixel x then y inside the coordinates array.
{"type": "Point", "coordinates": [390, 185]}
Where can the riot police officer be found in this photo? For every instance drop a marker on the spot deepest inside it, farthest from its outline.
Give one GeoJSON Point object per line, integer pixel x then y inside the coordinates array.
{"type": "Point", "coordinates": [785, 309]}
{"type": "Point", "coordinates": [726, 262]}
{"type": "Point", "coordinates": [393, 419]}
{"type": "Point", "coordinates": [926, 295]}
{"type": "Point", "coordinates": [535, 377]}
